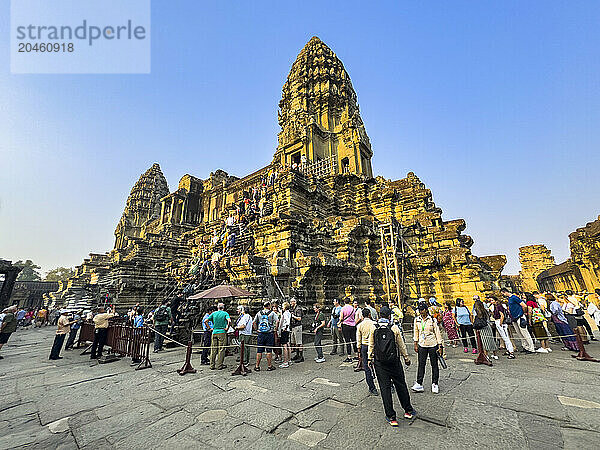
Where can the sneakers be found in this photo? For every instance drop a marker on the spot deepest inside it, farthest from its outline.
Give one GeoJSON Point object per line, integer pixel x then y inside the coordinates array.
{"type": "Point", "coordinates": [410, 415]}
{"type": "Point", "coordinates": [320, 360]}
{"type": "Point", "coordinates": [373, 392]}
{"type": "Point", "coordinates": [391, 421]}
{"type": "Point", "coordinates": [435, 388]}
{"type": "Point", "coordinates": [347, 360]}
{"type": "Point", "coordinates": [417, 387]}
{"type": "Point", "coordinates": [284, 365]}
{"type": "Point", "coordinates": [474, 351]}
{"type": "Point", "coordinates": [549, 350]}
{"type": "Point", "coordinates": [333, 353]}
{"type": "Point", "coordinates": [466, 350]}
{"type": "Point", "coordinates": [541, 350]}
{"type": "Point", "coordinates": [510, 356]}
{"type": "Point", "coordinates": [494, 357]}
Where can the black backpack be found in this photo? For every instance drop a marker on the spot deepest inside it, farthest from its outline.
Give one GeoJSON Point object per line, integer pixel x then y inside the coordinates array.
{"type": "Point", "coordinates": [384, 349]}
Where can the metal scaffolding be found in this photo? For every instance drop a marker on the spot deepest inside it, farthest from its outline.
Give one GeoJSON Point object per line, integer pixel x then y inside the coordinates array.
{"type": "Point", "coordinates": [396, 253]}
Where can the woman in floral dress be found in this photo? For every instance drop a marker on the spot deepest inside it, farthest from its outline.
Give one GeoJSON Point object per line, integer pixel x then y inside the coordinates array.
{"type": "Point", "coordinates": [450, 325]}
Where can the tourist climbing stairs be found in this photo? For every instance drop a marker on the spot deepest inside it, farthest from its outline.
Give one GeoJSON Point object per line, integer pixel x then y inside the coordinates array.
{"type": "Point", "coordinates": [244, 240]}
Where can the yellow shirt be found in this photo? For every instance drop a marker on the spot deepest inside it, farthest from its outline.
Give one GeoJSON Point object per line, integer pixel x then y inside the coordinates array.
{"type": "Point", "coordinates": [363, 332]}
{"type": "Point", "coordinates": [101, 320]}
{"type": "Point", "coordinates": [64, 325]}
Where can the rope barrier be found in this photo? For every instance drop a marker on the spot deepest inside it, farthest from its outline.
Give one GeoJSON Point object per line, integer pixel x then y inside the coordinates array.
{"type": "Point", "coordinates": [343, 343]}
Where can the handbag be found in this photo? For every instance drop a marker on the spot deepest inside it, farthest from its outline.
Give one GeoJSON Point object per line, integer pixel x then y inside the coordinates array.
{"type": "Point", "coordinates": [507, 317]}
{"type": "Point", "coordinates": [479, 323]}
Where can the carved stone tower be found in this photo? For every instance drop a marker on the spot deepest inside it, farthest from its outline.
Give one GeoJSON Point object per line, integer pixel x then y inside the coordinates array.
{"type": "Point", "coordinates": [143, 204]}
{"type": "Point", "coordinates": [534, 260]}
{"type": "Point", "coordinates": [319, 115]}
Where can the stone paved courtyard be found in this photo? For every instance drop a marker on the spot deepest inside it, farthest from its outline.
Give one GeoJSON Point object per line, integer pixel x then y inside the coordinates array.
{"type": "Point", "coordinates": [536, 401]}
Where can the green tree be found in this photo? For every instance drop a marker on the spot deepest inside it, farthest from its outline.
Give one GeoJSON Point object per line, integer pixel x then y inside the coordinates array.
{"type": "Point", "coordinates": [29, 271]}
{"type": "Point", "coordinates": [60, 274]}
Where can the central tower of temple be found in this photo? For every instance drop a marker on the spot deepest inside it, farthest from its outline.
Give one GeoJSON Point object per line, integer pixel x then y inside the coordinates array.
{"type": "Point", "coordinates": [319, 115]}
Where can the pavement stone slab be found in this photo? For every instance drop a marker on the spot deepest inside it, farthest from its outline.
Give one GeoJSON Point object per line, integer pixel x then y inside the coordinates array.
{"type": "Point", "coordinates": [307, 437]}
{"type": "Point", "coordinates": [259, 414]}
{"type": "Point", "coordinates": [240, 436]}
{"type": "Point", "coordinates": [162, 429]}
{"type": "Point", "coordinates": [117, 426]}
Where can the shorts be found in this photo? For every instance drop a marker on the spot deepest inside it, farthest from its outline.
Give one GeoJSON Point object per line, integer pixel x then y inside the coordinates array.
{"type": "Point", "coordinates": [539, 331]}
{"type": "Point", "coordinates": [265, 340]}
{"type": "Point", "coordinates": [285, 337]}
{"type": "Point", "coordinates": [296, 336]}
{"type": "Point", "coordinates": [4, 337]}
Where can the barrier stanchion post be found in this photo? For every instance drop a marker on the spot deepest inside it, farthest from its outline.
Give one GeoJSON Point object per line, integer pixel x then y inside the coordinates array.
{"type": "Point", "coordinates": [582, 355]}
{"type": "Point", "coordinates": [241, 369]}
{"type": "Point", "coordinates": [144, 349]}
{"type": "Point", "coordinates": [187, 366]}
{"type": "Point", "coordinates": [481, 357]}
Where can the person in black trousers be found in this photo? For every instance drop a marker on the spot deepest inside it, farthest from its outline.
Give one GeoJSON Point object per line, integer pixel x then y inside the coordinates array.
{"type": "Point", "coordinates": [100, 332]}
{"type": "Point", "coordinates": [428, 344]}
{"type": "Point", "coordinates": [63, 327]}
{"type": "Point", "coordinates": [386, 359]}
{"type": "Point", "coordinates": [206, 337]}
{"type": "Point", "coordinates": [75, 325]}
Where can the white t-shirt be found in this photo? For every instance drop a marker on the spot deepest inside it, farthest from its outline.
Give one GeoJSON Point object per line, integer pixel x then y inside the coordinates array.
{"type": "Point", "coordinates": [246, 320]}
{"type": "Point", "coordinates": [286, 318]}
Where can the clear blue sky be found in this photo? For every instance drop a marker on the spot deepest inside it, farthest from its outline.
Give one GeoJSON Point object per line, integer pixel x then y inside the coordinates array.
{"type": "Point", "coordinates": [495, 106]}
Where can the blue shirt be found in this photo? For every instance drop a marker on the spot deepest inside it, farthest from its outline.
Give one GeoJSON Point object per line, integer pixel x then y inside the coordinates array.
{"type": "Point", "coordinates": [463, 316]}
{"type": "Point", "coordinates": [77, 324]}
{"type": "Point", "coordinates": [210, 324]}
{"type": "Point", "coordinates": [335, 316]}
{"type": "Point", "coordinates": [514, 306]}
{"type": "Point", "coordinates": [138, 321]}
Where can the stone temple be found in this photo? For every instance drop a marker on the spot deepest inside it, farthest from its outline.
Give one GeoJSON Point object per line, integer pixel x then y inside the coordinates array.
{"type": "Point", "coordinates": [314, 223]}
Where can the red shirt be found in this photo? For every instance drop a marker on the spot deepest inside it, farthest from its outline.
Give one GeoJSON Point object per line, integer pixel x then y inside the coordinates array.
{"type": "Point", "coordinates": [532, 304]}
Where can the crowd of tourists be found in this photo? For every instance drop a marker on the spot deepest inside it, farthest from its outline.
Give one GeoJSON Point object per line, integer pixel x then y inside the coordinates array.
{"type": "Point", "coordinates": [369, 338]}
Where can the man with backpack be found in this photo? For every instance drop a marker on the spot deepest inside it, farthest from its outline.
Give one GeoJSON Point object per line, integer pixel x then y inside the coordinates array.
{"type": "Point", "coordinates": [265, 323]}
{"type": "Point", "coordinates": [386, 345]}
{"type": "Point", "coordinates": [162, 317]}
